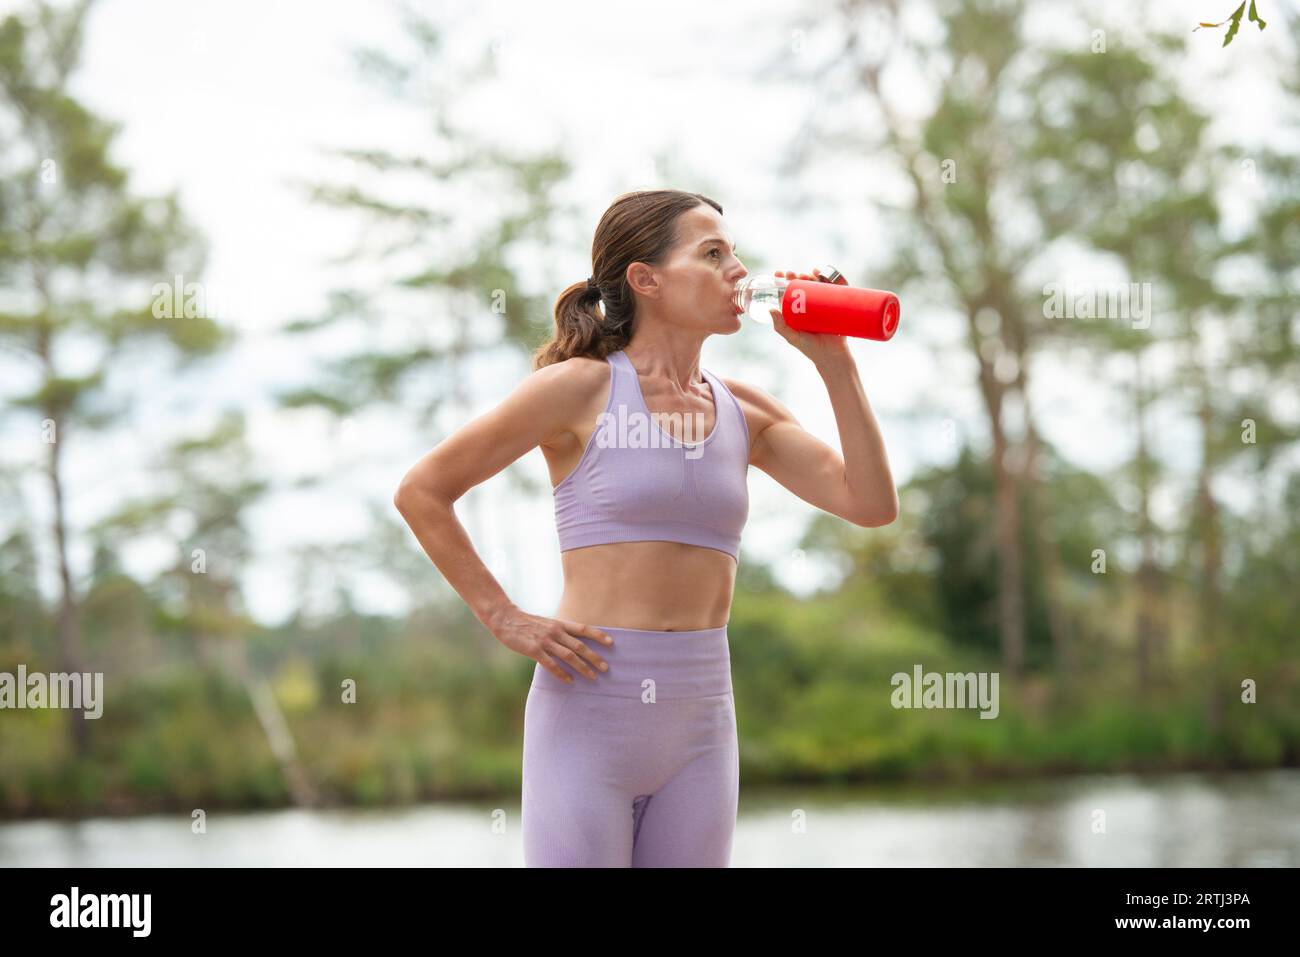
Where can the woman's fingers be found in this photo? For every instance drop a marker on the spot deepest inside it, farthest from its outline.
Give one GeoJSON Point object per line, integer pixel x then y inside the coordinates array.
{"type": "Point", "coordinates": [586, 631]}
{"type": "Point", "coordinates": [567, 644]}
{"type": "Point", "coordinates": [550, 664]}
{"type": "Point", "coordinates": [586, 651]}
{"type": "Point", "coordinates": [816, 274]}
{"type": "Point", "coordinates": [582, 654]}
{"type": "Point", "coordinates": [570, 657]}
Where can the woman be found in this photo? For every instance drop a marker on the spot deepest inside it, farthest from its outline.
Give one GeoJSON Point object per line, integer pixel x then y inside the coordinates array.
{"type": "Point", "coordinates": [633, 760]}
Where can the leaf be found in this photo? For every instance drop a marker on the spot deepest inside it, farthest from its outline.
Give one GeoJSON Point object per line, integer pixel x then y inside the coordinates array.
{"type": "Point", "coordinates": [1236, 23]}
{"type": "Point", "coordinates": [1255, 16]}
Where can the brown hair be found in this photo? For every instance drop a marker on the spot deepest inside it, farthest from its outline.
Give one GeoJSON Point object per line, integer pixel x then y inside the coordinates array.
{"type": "Point", "coordinates": [640, 226]}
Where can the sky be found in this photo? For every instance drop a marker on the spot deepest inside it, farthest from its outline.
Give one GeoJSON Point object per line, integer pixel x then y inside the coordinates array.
{"type": "Point", "coordinates": [235, 104]}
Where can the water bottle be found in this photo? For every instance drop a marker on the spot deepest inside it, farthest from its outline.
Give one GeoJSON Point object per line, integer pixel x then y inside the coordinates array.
{"type": "Point", "coordinates": [811, 305]}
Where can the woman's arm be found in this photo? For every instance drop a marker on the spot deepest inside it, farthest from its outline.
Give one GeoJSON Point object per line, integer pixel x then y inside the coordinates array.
{"type": "Point", "coordinates": [857, 487]}
{"type": "Point", "coordinates": [537, 412]}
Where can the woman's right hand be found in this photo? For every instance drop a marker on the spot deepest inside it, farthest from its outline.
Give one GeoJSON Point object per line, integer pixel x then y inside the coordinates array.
{"type": "Point", "coordinates": [547, 639]}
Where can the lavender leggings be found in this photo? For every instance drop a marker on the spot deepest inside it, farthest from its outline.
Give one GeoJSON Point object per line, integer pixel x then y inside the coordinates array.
{"type": "Point", "coordinates": [639, 768]}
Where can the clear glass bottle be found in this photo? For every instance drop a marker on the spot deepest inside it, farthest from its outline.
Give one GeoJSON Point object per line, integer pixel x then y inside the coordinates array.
{"type": "Point", "coordinates": [757, 295]}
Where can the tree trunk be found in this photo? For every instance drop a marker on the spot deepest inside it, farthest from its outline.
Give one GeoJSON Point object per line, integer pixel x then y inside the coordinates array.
{"type": "Point", "coordinates": [1011, 613]}
{"type": "Point", "coordinates": [1058, 620]}
{"type": "Point", "coordinates": [69, 620]}
{"type": "Point", "coordinates": [274, 727]}
{"type": "Point", "coordinates": [1148, 571]}
{"type": "Point", "coordinates": [1210, 534]}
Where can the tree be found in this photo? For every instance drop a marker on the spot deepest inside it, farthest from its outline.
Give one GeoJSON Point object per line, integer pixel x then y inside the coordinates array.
{"type": "Point", "coordinates": [442, 286]}
{"type": "Point", "coordinates": [75, 243]}
{"type": "Point", "coordinates": [961, 163]}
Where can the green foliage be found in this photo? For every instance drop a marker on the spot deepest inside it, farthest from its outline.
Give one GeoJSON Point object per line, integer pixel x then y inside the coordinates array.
{"type": "Point", "coordinates": [1234, 21]}
{"type": "Point", "coordinates": [441, 716]}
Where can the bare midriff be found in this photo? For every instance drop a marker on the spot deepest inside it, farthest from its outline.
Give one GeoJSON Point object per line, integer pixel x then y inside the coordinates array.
{"type": "Point", "coordinates": [655, 586]}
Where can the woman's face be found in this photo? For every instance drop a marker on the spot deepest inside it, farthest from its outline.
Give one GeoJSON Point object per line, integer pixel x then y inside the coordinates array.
{"type": "Point", "coordinates": [701, 271]}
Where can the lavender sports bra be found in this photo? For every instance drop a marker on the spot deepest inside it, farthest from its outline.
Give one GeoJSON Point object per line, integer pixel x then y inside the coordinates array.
{"type": "Point", "coordinates": [635, 482]}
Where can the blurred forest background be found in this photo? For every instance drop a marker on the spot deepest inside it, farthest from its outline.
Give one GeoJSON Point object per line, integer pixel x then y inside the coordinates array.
{"type": "Point", "coordinates": [1128, 612]}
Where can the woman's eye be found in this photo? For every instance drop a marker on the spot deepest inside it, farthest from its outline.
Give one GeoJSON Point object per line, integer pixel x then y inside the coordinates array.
{"type": "Point", "coordinates": [712, 252]}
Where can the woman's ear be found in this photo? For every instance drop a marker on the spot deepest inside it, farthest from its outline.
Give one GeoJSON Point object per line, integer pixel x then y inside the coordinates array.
{"type": "Point", "coordinates": [644, 280]}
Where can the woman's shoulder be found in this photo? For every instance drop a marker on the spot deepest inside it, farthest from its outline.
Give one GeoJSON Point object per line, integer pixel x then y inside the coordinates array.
{"type": "Point", "coordinates": [759, 407]}
{"type": "Point", "coordinates": [576, 374]}
{"type": "Point", "coordinates": [754, 397]}
{"type": "Point", "coordinates": [575, 389]}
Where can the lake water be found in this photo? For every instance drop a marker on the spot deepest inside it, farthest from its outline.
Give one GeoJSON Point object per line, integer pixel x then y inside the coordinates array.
{"type": "Point", "coordinates": [1182, 820]}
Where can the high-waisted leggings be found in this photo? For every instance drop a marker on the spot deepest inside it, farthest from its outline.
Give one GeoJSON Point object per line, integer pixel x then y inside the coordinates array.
{"type": "Point", "coordinates": [639, 768]}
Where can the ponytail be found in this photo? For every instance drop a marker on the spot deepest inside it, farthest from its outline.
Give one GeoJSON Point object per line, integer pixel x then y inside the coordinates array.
{"type": "Point", "coordinates": [582, 328]}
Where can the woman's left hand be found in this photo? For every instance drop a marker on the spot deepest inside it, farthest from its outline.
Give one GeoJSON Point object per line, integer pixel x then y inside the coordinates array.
{"type": "Point", "coordinates": [817, 346]}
